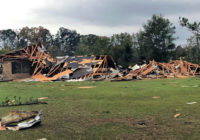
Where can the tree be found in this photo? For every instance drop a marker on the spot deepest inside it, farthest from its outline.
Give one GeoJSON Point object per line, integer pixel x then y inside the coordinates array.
{"type": "Point", "coordinates": [122, 47]}
{"type": "Point", "coordinates": [124, 50]}
{"type": "Point", "coordinates": [93, 45]}
{"type": "Point", "coordinates": [193, 49]}
{"type": "Point", "coordinates": [66, 41]}
{"type": "Point", "coordinates": [101, 46]}
{"type": "Point", "coordinates": [8, 39]}
{"type": "Point", "coordinates": [180, 52]}
{"type": "Point", "coordinates": [156, 41]}
{"type": "Point", "coordinates": [194, 41]}
{"type": "Point", "coordinates": [29, 36]}
{"type": "Point", "coordinates": [85, 44]}
{"type": "Point", "coordinates": [194, 27]}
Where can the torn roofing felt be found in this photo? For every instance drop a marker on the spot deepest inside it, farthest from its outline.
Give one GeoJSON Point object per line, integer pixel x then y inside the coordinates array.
{"type": "Point", "coordinates": [72, 67]}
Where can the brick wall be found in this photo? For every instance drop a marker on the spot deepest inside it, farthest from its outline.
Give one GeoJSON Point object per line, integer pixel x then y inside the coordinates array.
{"type": "Point", "coordinates": [7, 72]}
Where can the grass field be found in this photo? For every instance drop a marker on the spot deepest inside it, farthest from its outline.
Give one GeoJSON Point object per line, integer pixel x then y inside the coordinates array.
{"type": "Point", "coordinates": [109, 110]}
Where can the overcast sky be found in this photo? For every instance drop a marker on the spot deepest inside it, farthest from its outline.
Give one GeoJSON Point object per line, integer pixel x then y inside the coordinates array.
{"type": "Point", "coordinates": [101, 17]}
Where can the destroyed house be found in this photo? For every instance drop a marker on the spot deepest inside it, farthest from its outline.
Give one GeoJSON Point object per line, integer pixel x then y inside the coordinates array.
{"type": "Point", "coordinates": [22, 63]}
{"type": "Point", "coordinates": [34, 62]}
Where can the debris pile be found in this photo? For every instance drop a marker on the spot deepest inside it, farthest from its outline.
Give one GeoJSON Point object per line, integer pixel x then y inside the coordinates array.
{"type": "Point", "coordinates": [79, 67]}
{"type": "Point", "coordinates": [175, 68]}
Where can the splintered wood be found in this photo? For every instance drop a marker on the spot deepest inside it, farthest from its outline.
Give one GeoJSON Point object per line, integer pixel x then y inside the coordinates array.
{"type": "Point", "coordinates": [175, 68]}
{"type": "Point", "coordinates": [40, 77]}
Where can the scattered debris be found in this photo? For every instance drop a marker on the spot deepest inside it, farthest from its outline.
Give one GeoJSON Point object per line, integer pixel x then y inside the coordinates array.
{"type": "Point", "coordinates": [141, 123]}
{"type": "Point", "coordinates": [25, 125]}
{"type": "Point", "coordinates": [155, 97]}
{"type": "Point", "coordinates": [43, 98]}
{"type": "Point", "coordinates": [76, 80]}
{"type": "Point", "coordinates": [18, 116]}
{"type": "Point", "coordinates": [135, 67]}
{"type": "Point", "coordinates": [190, 103]}
{"type": "Point", "coordinates": [177, 115]}
{"type": "Point", "coordinates": [175, 68]}
{"type": "Point", "coordinates": [27, 80]}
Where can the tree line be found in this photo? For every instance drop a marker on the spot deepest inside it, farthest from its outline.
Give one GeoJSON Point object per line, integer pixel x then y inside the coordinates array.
{"type": "Point", "coordinates": [154, 42]}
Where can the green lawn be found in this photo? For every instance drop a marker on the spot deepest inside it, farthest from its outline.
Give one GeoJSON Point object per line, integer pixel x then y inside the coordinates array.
{"type": "Point", "coordinates": [109, 110]}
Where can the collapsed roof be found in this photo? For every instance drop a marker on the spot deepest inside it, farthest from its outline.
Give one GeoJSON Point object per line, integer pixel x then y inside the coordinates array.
{"type": "Point", "coordinates": [70, 67]}
{"type": "Point", "coordinates": [76, 67]}
{"type": "Point", "coordinates": [175, 68]}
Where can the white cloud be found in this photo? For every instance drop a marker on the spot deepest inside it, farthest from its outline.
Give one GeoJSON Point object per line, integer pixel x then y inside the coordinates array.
{"type": "Point", "coordinates": [13, 13]}
{"type": "Point", "coordinates": [101, 17]}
